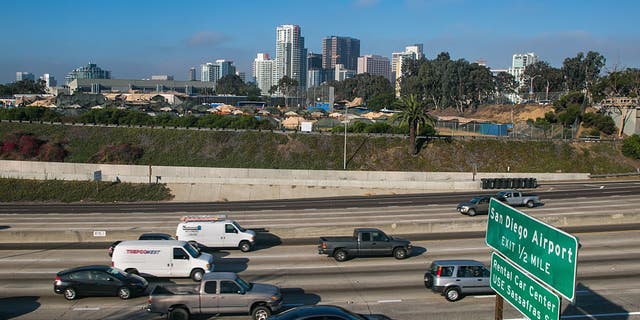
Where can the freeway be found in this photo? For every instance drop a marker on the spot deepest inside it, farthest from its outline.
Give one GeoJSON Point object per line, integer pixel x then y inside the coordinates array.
{"type": "Point", "coordinates": [546, 191]}
{"type": "Point", "coordinates": [608, 281]}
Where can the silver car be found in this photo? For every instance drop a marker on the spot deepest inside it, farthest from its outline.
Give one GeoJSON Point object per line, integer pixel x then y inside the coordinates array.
{"type": "Point", "coordinates": [457, 278]}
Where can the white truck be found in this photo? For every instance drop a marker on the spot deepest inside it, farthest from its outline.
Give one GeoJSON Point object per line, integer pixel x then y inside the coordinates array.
{"type": "Point", "coordinates": [161, 258]}
{"type": "Point", "coordinates": [215, 231]}
{"type": "Point", "coordinates": [517, 198]}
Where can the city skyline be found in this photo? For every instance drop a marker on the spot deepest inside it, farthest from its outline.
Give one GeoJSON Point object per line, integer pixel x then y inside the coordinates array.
{"type": "Point", "coordinates": [140, 39]}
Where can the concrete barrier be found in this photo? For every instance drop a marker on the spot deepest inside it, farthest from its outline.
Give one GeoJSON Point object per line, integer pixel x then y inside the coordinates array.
{"type": "Point", "coordinates": [234, 184]}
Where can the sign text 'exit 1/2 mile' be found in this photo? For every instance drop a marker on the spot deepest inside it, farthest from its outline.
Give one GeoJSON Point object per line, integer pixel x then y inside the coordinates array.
{"type": "Point", "coordinates": [549, 254]}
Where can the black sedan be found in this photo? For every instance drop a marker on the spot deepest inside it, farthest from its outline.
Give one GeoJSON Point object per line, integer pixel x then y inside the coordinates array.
{"type": "Point", "coordinates": [323, 312]}
{"type": "Point", "coordinates": [98, 281]}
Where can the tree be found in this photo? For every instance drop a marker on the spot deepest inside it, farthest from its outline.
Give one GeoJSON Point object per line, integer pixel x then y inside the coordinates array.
{"type": "Point", "coordinates": [413, 112]}
{"type": "Point", "coordinates": [618, 84]}
{"type": "Point", "coordinates": [230, 84]}
{"type": "Point", "coordinates": [543, 74]}
{"type": "Point", "coordinates": [23, 86]}
{"type": "Point", "coordinates": [286, 86]}
{"type": "Point", "coordinates": [581, 71]}
{"type": "Point", "coordinates": [370, 88]}
{"type": "Point", "coordinates": [505, 84]}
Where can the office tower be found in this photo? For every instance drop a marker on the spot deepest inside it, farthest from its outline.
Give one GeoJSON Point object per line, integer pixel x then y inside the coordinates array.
{"type": "Point", "coordinates": [24, 76]}
{"type": "Point", "coordinates": [49, 80]}
{"type": "Point", "coordinates": [242, 76]}
{"type": "Point", "coordinates": [90, 71]}
{"type": "Point", "coordinates": [226, 67]}
{"type": "Point", "coordinates": [413, 52]}
{"type": "Point", "coordinates": [290, 54]}
{"type": "Point", "coordinates": [192, 74]}
{"type": "Point", "coordinates": [263, 71]}
{"type": "Point", "coordinates": [210, 72]}
{"type": "Point", "coordinates": [519, 63]}
{"type": "Point", "coordinates": [315, 74]}
{"type": "Point", "coordinates": [375, 65]}
{"type": "Point", "coordinates": [340, 50]}
{"type": "Point", "coordinates": [341, 72]}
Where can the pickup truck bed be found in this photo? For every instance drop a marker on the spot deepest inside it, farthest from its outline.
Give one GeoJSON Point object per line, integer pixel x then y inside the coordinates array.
{"type": "Point", "coordinates": [176, 289]}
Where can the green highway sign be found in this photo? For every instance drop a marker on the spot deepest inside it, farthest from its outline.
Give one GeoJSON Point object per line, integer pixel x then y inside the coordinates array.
{"type": "Point", "coordinates": [547, 253]}
{"type": "Point", "coordinates": [535, 301]}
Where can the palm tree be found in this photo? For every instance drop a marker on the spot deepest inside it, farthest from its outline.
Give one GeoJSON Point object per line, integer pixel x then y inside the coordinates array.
{"type": "Point", "coordinates": [413, 112]}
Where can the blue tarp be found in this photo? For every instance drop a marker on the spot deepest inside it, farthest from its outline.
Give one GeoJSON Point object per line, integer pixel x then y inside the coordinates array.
{"type": "Point", "coordinates": [323, 106]}
{"type": "Point", "coordinates": [495, 129]}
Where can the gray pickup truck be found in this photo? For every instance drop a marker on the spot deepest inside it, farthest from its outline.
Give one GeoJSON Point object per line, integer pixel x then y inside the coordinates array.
{"type": "Point", "coordinates": [217, 293]}
{"type": "Point", "coordinates": [517, 198]}
{"type": "Point", "coordinates": [364, 242]}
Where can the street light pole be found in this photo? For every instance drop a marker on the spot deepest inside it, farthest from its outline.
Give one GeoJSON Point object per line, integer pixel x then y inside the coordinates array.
{"type": "Point", "coordinates": [344, 162]}
{"type": "Point", "coordinates": [531, 86]}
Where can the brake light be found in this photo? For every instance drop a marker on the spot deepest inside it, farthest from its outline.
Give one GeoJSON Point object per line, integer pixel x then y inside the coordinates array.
{"type": "Point", "coordinates": [58, 280]}
{"type": "Point", "coordinates": [112, 264]}
{"type": "Point", "coordinates": [439, 271]}
{"type": "Point", "coordinates": [149, 300]}
{"type": "Point", "coordinates": [324, 245]}
{"type": "Point", "coordinates": [177, 237]}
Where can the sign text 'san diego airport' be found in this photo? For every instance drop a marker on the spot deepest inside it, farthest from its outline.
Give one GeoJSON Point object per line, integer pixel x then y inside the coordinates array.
{"type": "Point", "coordinates": [547, 253]}
{"type": "Point", "coordinates": [525, 294]}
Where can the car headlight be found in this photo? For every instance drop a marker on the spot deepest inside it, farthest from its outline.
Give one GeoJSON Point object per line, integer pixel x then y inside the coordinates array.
{"type": "Point", "coordinates": [275, 297]}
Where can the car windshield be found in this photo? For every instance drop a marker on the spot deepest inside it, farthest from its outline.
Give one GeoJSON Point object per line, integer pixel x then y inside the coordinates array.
{"type": "Point", "coordinates": [192, 251]}
{"type": "Point", "coordinates": [476, 199]}
{"type": "Point", "coordinates": [239, 227]}
{"type": "Point", "coordinates": [246, 286]}
{"type": "Point", "coordinates": [117, 273]}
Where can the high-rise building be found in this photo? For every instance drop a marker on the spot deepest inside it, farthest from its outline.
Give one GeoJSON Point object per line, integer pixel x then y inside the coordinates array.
{"type": "Point", "coordinates": [263, 71]}
{"type": "Point", "coordinates": [192, 74]}
{"type": "Point", "coordinates": [413, 52]}
{"type": "Point", "coordinates": [315, 74]}
{"type": "Point", "coordinates": [210, 72]}
{"type": "Point", "coordinates": [375, 65]}
{"type": "Point", "coordinates": [49, 80]}
{"type": "Point", "coordinates": [519, 63]}
{"type": "Point", "coordinates": [90, 71]}
{"type": "Point", "coordinates": [242, 76]}
{"type": "Point", "coordinates": [340, 73]}
{"type": "Point", "coordinates": [226, 67]}
{"type": "Point", "coordinates": [290, 54]}
{"type": "Point", "coordinates": [340, 50]}
{"type": "Point", "coordinates": [24, 76]}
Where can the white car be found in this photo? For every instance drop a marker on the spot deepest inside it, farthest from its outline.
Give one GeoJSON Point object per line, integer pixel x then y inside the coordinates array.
{"type": "Point", "coordinates": [215, 232]}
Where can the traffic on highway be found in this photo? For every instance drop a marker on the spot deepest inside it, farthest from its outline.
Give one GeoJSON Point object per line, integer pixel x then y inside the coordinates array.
{"type": "Point", "coordinates": [59, 267]}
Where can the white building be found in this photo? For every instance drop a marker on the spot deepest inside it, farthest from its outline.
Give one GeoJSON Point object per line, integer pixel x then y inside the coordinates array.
{"type": "Point", "coordinates": [413, 52]}
{"type": "Point", "coordinates": [263, 71]}
{"type": "Point", "coordinates": [49, 80]}
{"type": "Point", "coordinates": [519, 64]}
{"type": "Point", "coordinates": [341, 72]}
{"type": "Point", "coordinates": [375, 65]}
{"type": "Point", "coordinates": [210, 72]}
{"type": "Point", "coordinates": [290, 54]}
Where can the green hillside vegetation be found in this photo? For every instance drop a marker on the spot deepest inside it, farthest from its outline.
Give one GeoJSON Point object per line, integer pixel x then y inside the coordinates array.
{"type": "Point", "coordinates": [266, 149]}
{"type": "Point", "coordinates": [16, 190]}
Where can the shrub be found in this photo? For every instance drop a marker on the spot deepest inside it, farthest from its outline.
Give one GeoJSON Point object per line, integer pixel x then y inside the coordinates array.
{"type": "Point", "coordinates": [631, 147]}
{"type": "Point", "coordinates": [125, 153]}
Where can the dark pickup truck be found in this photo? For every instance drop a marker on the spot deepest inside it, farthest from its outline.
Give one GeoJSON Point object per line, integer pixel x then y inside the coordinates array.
{"type": "Point", "coordinates": [364, 242]}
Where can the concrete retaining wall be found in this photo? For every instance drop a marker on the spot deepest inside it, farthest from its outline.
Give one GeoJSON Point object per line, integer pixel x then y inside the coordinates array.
{"type": "Point", "coordinates": [232, 184]}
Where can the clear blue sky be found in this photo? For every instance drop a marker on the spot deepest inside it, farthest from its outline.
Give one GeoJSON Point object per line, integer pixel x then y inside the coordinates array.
{"type": "Point", "coordinates": [139, 38]}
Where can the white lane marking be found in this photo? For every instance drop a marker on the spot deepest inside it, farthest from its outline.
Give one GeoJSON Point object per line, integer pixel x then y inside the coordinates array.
{"type": "Point", "coordinates": [389, 301]}
{"type": "Point", "coordinates": [87, 309]}
{"type": "Point", "coordinates": [593, 316]}
{"type": "Point", "coordinates": [484, 297]}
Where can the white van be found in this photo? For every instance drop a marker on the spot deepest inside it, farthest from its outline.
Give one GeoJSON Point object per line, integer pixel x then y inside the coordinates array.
{"type": "Point", "coordinates": [161, 258]}
{"type": "Point", "coordinates": [215, 231]}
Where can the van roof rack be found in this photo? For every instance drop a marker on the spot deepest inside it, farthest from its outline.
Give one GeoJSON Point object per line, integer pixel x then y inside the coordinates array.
{"type": "Point", "coordinates": [214, 217]}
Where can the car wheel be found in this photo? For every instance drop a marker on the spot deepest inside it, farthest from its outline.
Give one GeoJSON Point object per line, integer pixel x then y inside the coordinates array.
{"type": "Point", "coordinates": [340, 255]}
{"type": "Point", "coordinates": [471, 212]}
{"type": "Point", "coordinates": [399, 253]}
{"type": "Point", "coordinates": [178, 314]}
{"type": "Point", "coordinates": [530, 204]}
{"type": "Point", "coordinates": [70, 294]}
{"type": "Point", "coordinates": [452, 294]}
{"type": "Point", "coordinates": [260, 313]}
{"type": "Point", "coordinates": [197, 274]}
{"type": "Point", "coordinates": [124, 293]}
{"type": "Point", "coordinates": [245, 246]}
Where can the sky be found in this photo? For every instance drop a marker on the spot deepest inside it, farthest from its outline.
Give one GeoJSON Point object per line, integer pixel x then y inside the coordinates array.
{"type": "Point", "coordinates": [135, 39]}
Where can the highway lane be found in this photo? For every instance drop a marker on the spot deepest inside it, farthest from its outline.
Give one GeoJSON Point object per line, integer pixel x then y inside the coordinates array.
{"type": "Point", "coordinates": [608, 276]}
{"type": "Point", "coordinates": [546, 191]}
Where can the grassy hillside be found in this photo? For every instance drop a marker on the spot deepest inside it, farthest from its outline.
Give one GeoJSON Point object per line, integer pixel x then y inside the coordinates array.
{"type": "Point", "coordinates": [324, 152]}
